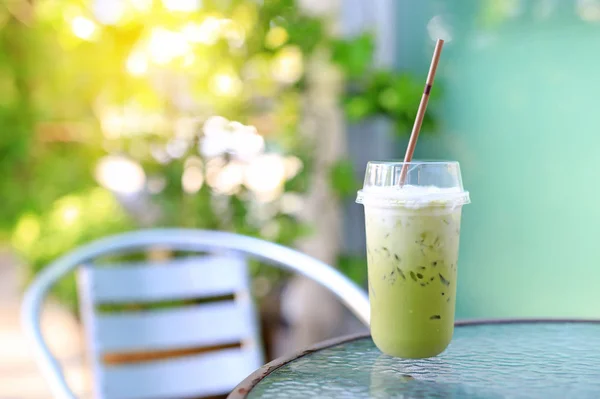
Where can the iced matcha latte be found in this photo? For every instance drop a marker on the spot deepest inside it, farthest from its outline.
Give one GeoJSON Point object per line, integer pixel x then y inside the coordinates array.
{"type": "Point", "coordinates": [412, 251]}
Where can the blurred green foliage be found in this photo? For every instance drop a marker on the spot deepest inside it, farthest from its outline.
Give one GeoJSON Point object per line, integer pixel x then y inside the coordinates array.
{"type": "Point", "coordinates": [393, 95]}
{"type": "Point", "coordinates": [354, 267]}
{"type": "Point", "coordinates": [342, 178]}
{"type": "Point", "coordinates": [141, 85]}
{"type": "Point", "coordinates": [73, 219]}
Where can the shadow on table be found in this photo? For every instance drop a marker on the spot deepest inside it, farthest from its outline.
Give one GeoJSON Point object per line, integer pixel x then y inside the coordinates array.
{"type": "Point", "coordinates": [390, 383]}
{"type": "Point", "coordinates": [419, 389]}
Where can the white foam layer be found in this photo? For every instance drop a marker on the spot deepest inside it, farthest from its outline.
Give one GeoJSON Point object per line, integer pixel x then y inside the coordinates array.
{"type": "Point", "coordinates": [414, 196]}
{"type": "Point", "coordinates": [409, 191]}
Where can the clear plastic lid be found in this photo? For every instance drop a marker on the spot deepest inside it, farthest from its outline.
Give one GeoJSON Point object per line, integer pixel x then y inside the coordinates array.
{"type": "Point", "coordinates": [427, 183]}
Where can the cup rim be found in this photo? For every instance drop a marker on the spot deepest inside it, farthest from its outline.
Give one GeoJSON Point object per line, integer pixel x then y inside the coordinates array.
{"type": "Point", "coordinates": [413, 162]}
{"type": "Point", "coordinates": [371, 194]}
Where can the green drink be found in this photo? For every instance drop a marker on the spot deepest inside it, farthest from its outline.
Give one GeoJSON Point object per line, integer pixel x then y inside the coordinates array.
{"type": "Point", "coordinates": [412, 252]}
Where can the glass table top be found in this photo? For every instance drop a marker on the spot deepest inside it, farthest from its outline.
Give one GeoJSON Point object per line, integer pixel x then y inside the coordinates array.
{"type": "Point", "coordinates": [509, 360]}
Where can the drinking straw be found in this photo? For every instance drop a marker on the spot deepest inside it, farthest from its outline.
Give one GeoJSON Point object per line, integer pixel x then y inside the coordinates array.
{"type": "Point", "coordinates": [412, 143]}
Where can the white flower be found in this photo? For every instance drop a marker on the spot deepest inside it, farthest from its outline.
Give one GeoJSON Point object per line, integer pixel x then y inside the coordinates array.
{"type": "Point", "coordinates": [120, 174]}
{"type": "Point", "coordinates": [265, 176]}
{"type": "Point", "coordinates": [222, 136]}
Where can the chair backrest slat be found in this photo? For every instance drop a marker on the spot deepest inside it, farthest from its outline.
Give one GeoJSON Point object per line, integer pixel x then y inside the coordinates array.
{"type": "Point", "coordinates": [210, 324]}
{"type": "Point", "coordinates": [205, 305]}
{"type": "Point", "coordinates": [184, 278]}
{"type": "Point", "coordinates": [212, 373]}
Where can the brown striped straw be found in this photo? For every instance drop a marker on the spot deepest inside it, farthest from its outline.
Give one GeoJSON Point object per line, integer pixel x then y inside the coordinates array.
{"type": "Point", "coordinates": [412, 143]}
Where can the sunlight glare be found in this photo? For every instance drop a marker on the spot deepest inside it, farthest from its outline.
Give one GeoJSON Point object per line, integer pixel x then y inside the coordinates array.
{"type": "Point", "coordinates": [137, 64]}
{"type": "Point", "coordinates": [207, 32]}
{"type": "Point", "coordinates": [83, 27]}
{"type": "Point", "coordinates": [165, 45]}
{"type": "Point", "coordinates": [121, 175]}
{"type": "Point", "coordinates": [181, 5]}
{"type": "Point", "coordinates": [226, 84]}
{"type": "Point", "coordinates": [287, 65]}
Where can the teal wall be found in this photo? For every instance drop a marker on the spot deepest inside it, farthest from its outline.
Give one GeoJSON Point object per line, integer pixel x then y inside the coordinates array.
{"type": "Point", "coordinates": [521, 111]}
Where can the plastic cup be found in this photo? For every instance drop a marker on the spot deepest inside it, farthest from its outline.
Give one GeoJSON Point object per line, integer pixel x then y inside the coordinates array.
{"type": "Point", "coordinates": [412, 235]}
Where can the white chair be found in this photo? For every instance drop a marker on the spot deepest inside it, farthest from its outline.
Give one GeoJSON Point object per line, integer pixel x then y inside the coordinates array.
{"type": "Point", "coordinates": [218, 270]}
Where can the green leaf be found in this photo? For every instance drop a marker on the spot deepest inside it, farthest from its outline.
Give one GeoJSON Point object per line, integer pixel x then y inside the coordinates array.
{"type": "Point", "coordinates": [429, 124]}
{"type": "Point", "coordinates": [355, 55]}
{"type": "Point", "coordinates": [383, 78]}
{"type": "Point", "coordinates": [358, 108]}
{"type": "Point", "coordinates": [343, 179]}
{"type": "Point", "coordinates": [303, 31]}
{"type": "Point", "coordinates": [390, 100]}
{"type": "Point", "coordinates": [402, 127]}
{"type": "Point", "coordinates": [355, 267]}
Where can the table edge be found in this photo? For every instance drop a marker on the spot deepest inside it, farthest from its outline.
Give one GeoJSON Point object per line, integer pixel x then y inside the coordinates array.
{"type": "Point", "coordinates": [242, 390]}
